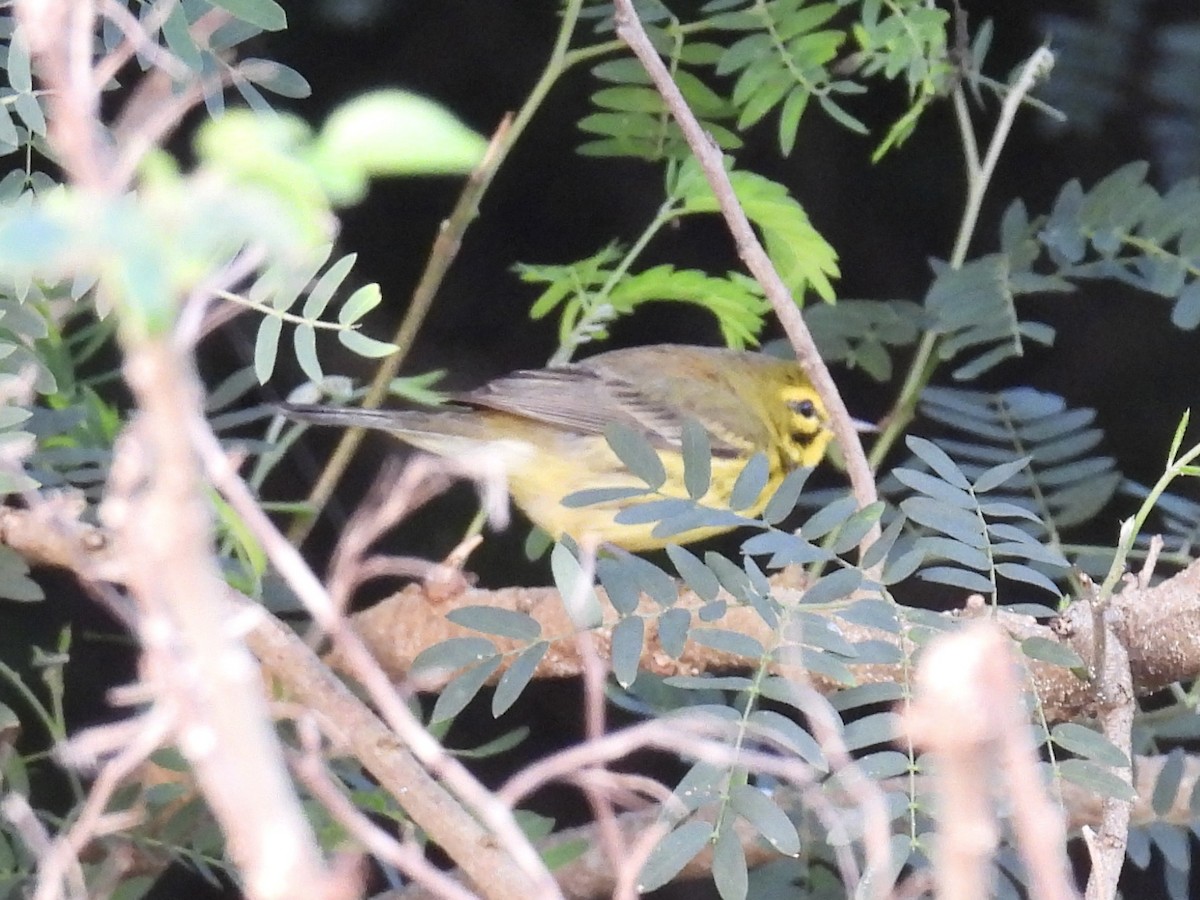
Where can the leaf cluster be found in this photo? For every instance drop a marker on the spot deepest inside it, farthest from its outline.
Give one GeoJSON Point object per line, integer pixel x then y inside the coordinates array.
{"type": "Point", "coordinates": [779, 55]}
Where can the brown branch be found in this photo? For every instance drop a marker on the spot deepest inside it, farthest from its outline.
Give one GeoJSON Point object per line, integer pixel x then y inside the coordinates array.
{"type": "Point", "coordinates": [202, 677]}
{"type": "Point", "coordinates": [409, 858]}
{"type": "Point", "coordinates": [413, 619]}
{"type": "Point", "coordinates": [524, 871]}
{"type": "Point", "coordinates": [158, 511]}
{"type": "Point", "coordinates": [1116, 704]}
{"type": "Point", "coordinates": [357, 729]}
{"type": "Point", "coordinates": [1159, 625]}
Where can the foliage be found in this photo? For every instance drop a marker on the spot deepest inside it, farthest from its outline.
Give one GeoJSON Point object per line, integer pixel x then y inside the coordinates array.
{"type": "Point", "coordinates": [1000, 484]}
{"type": "Point", "coordinates": [1100, 78]}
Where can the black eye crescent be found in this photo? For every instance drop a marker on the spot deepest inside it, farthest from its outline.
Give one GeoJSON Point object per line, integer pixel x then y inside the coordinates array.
{"type": "Point", "coordinates": [804, 408]}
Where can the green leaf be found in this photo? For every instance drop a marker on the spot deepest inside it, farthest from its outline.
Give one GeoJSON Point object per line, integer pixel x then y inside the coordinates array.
{"type": "Point", "coordinates": [390, 132]}
{"type": "Point", "coordinates": [783, 501]}
{"type": "Point", "coordinates": [622, 71]}
{"type": "Point", "coordinates": [1095, 779]}
{"type": "Point", "coordinates": [304, 340]}
{"type": "Point", "coordinates": [856, 527]}
{"type": "Point", "coordinates": [16, 584]}
{"type": "Point", "coordinates": [514, 680]}
{"type": "Point", "coordinates": [1089, 744]}
{"type": "Point", "coordinates": [1166, 787]}
{"type": "Point", "coordinates": [358, 304]}
{"type": "Point", "coordinates": [578, 594]}
{"type": "Point", "coordinates": [20, 72]}
{"type": "Point", "coordinates": [802, 256]}
{"type": "Point", "coordinates": [628, 637]}
{"type": "Point", "coordinates": [461, 690]}
{"type": "Point", "coordinates": [936, 458]}
{"type": "Point", "coordinates": [934, 487]}
{"type": "Point", "coordinates": [726, 641]}
{"type": "Point", "coordinates": [830, 516]}
{"type": "Point", "coordinates": [789, 118]}
{"type": "Point", "coordinates": [454, 653]}
{"type": "Point", "coordinates": [636, 454]}
{"type": "Point", "coordinates": [994, 477]}
{"type": "Point", "coordinates": [654, 511]}
{"type": "Point", "coordinates": [766, 817]}
{"type": "Point", "coordinates": [936, 547]}
{"type": "Point", "coordinates": [901, 569]}
{"type": "Point", "coordinates": [777, 729]}
{"type": "Point", "coordinates": [873, 613]}
{"type": "Point", "coordinates": [629, 98]}
{"type": "Point", "coordinates": [820, 632]}
{"type": "Point", "coordinates": [674, 852]}
{"type": "Point", "coordinates": [500, 622]}
{"type": "Point", "coordinates": [1052, 652]}
{"type": "Point", "coordinates": [275, 77]}
{"type": "Point", "coordinates": [957, 523]}
{"type": "Point", "coordinates": [697, 459]}
{"type": "Point", "coordinates": [729, 871]}
{"type": "Point", "coordinates": [1028, 575]}
{"type": "Point", "coordinates": [357, 342]}
{"type": "Point", "coordinates": [652, 580]}
{"type": "Point", "coordinates": [731, 576]}
{"type": "Point", "coordinates": [750, 483]}
{"type": "Point", "coordinates": [709, 682]}
{"type": "Point", "coordinates": [840, 115]}
{"type": "Point", "coordinates": [884, 764]}
{"type": "Point", "coordinates": [672, 630]}
{"type": "Point", "coordinates": [834, 586]}
{"type": "Point", "coordinates": [266, 347]}
{"type": "Point", "coordinates": [825, 665]}
{"type": "Point", "coordinates": [1185, 314]}
{"type": "Point", "coordinates": [595, 496]}
{"type": "Point", "coordinates": [265, 14]}
{"type": "Point", "coordinates": [869, 731]}
{"type": "Point", "coordinates": [695, 573]}
{"type": "Point", "coordinates": [867, 695]}
{"type": "Point", "coordinates": [963, 578]}
{"type": "Point", "coordinates": [881, 548]}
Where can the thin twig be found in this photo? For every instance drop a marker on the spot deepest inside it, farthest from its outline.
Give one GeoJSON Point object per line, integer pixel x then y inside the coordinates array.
{"type": "Point", "coordinates": [445, 248]}
{"type": "Point", "coordinates": [157, 106]}
{"type": "Point", "coordinates": [407, 856]}
{"type": "Point", "coordinates": [158, 511]}
{"type": "Point", "coordinates": [528, 875]}
{"type": "Point", "coordinates": [150, 732]}
{"type": "Point", "coordinates": [979, 176]}
{"type": "Point", "coordinates": [708, 154]}
{"type": "Point", "coordinates": [969, 713]}
{"type": "Point", "coordinates": [25, 822]}
{"type": "Point", "coordinates": [138, 40]}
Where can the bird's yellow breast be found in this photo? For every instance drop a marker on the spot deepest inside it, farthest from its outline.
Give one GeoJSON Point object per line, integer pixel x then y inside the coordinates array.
{"type": "Point", "coordinates": [539, 480]}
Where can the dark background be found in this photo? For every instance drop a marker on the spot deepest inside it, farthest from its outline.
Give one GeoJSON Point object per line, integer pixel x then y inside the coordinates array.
{"type": "Point", "coordinates": [1116, 350]}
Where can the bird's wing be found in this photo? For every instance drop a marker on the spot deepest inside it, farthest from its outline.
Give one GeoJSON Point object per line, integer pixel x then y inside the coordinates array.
{"type": "Point", "coordinates": [634, 391]}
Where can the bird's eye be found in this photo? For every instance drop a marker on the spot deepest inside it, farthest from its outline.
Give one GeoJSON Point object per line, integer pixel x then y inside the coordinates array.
{"type": "Point", "coordinates": [804, 408]}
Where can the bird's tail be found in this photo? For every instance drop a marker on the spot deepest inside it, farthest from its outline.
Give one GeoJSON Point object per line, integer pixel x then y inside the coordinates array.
{"type": "Point", "coordinates": [348, 417]}
{"type": "Point", "coordinates": [445, 432]}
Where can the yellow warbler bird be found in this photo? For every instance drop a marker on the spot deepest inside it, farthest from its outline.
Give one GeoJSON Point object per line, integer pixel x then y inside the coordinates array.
{"type": "Point", "coordinates": [546, 427]}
